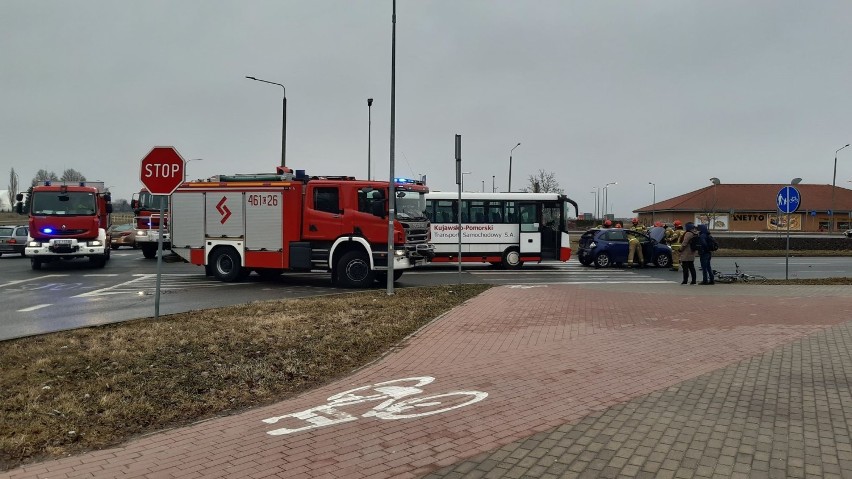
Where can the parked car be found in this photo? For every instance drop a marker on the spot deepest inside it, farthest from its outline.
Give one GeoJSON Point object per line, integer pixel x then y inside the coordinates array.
{"type": "Point", "coordinates": [13, 239]}
{"type": "Point", "coordinates": [608, 246]}
{"type": "Point", "coordinates": [122, 235]}
{"type": "Point", "coordinates": [848, 233]}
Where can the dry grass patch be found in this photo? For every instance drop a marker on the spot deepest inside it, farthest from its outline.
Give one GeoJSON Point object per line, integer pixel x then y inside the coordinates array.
{"type": "Point", "coordinates": [73, 391]}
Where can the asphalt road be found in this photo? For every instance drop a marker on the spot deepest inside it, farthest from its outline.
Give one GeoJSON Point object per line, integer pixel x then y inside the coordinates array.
{"type": "Point", "coordinates": [73, 294]}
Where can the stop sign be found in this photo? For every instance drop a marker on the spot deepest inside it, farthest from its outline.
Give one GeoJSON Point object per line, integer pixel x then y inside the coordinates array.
{"type": "Point", "coordinates": [162, 170]}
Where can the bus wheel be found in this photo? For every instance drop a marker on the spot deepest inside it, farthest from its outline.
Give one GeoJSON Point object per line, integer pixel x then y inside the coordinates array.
{"type": "Point", "coordinates": [512, 259]}
{"type": "Point", "coordinates": [353, 270]}
{"type": "Point", "coordinates": [226, 265]}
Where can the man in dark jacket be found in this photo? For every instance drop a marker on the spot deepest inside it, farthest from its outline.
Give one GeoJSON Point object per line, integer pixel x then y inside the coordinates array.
{"type": "Point", "coordinates": [705, 254]}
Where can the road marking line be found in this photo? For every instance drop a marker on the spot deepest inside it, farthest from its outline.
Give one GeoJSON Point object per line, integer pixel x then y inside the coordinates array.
{"type": "Point", "coordinates": [101, 274]}
{"type": "Point", "coordinates": [32, 279]}
{"type": "Point", "coordinates": [33, 308]}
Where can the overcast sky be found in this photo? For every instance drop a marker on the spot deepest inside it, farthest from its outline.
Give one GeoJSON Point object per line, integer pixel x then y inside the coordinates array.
{"type": "Point", "coordinates": [672, 92]}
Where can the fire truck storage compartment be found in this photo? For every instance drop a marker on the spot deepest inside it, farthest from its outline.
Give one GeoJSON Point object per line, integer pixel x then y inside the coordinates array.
{"type": "Point", "coordinates": [264, 217]}
{"type": "Point", "coordinates": [225, 217]}
{"type": "Point", "coordinates": [187, 219]}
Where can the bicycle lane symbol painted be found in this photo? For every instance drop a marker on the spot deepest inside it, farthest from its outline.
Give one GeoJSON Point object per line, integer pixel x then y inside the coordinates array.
{"type": "Point", "coordinates": [397, 399]}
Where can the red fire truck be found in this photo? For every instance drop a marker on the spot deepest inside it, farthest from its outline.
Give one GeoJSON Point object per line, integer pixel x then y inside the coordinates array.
{"type": "Point", "coordinates": [146, 210]}
{"type": "Point", "coordinates": [68, 219]}
{"type": "Point", "coordinates": [271, 223]}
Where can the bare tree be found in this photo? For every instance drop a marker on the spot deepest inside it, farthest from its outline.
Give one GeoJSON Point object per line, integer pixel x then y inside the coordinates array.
{"type": "Point", "coordinates": [13, 186]}
{"type": "Point", "coordinates": [543, 182]}
{"type": "Point", "coordinates": [44, 175]}
{"type": "Point", "coordinates": [72, 175]}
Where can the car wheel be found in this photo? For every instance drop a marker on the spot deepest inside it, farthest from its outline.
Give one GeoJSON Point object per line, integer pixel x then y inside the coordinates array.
{"type": "Point", "coordinates": [226, 265]}
{"type": "Point", "coordinates": [23, 254]}
{"type": "Point", "coordinates": [663, 260]}
{"type": "Point", "coordinates": [512, 259]}
{"type": "Point", "coordinates": [602, 260]}
{"type": "Point", "coordinates": [113, 246]}
{"type": "Point", "coordinates": [586, 261]}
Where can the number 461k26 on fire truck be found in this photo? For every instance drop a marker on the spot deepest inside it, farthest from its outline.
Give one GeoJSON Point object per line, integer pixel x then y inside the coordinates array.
{"type": "Point", "coordinates": [271, 223]}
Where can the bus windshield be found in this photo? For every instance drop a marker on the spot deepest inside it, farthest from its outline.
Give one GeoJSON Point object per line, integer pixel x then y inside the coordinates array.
{"type": "Point", "coordinates": [411, 205]}
{"type": "Point", "coordinates": [54, 203]}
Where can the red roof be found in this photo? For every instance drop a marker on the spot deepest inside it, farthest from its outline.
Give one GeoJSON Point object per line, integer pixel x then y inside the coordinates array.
{"type": "Point", "coordinates": [734, 197]}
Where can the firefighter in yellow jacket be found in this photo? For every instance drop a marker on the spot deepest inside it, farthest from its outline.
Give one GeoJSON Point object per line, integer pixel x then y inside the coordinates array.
{"type": "Point", "coordinates": [674, 238]}
{"type": "Point", "coordinates": [634, 244]}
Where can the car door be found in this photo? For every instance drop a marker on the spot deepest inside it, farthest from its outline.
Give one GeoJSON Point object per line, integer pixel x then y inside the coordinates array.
{"type": "Point", "coordinates": [616, 245]}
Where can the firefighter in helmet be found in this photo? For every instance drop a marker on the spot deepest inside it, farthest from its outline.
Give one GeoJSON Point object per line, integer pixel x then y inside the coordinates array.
{"type": "Point", "coordinates": [634, 244]}
{"type": "Point", "coordinates": [607, 224]}
{"type": "Point", "coordinates": [674, 238]}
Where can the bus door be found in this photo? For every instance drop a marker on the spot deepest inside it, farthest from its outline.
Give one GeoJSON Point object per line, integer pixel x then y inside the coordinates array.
{"type": "Point", "coordinates": [528, 215]}
{"type": "Point", "coordinates": [550, 227]}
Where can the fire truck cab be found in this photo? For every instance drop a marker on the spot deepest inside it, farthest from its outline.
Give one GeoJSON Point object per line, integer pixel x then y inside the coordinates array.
{"type": "Point", "coordinates": [68, 219]}
{"type": "Point", "coordinates": [146, 210]}
{"type": "Point", "coordinates": [271, 223]}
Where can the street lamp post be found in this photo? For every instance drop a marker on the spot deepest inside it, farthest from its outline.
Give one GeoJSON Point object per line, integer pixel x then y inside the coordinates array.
{"type": "Point", "coordinates": [715, 182]}
{"type": "Point", "coordinates": [606, 197]}
{"type": "Point", "coordinates": [653, 202]}
{"type": "Point", "coordinates": [595, 211]}
{"type": "Point", "coordinates": [283, 118]}
{"type": "Point", "coordinates": [510, 166]}
{"type": "Point", "coordinates": [493, 185]}
{"type": "Point", "coordinates": [369, 128]}
{"type": "Point", "coordinates": [833, 179]}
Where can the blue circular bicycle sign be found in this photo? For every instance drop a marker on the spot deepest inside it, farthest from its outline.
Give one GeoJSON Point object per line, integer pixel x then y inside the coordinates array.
{"type": "Point", "coordinates": [788, 199]}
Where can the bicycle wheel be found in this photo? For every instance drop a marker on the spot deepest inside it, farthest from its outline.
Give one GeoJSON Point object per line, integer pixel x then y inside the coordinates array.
{"type": "Point", "coordinates": [428, 405]}
{"type": "Point", "coordinates": [724, 278]}
{"type": "Point", "coordinates": [754, 278]}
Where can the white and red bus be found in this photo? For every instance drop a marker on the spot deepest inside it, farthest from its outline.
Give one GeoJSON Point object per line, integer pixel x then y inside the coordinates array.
{"type": "Point", "coordinates": [505, 229]}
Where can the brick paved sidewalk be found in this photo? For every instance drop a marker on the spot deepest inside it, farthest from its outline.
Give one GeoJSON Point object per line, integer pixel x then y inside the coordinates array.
{"type": "Point", "coordinates": [593, 380]}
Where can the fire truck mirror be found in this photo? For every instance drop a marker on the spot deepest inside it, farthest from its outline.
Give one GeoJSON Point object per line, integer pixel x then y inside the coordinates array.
{"type": "Point", "coordinates": [19, 197]}
{"type": "Point", "coordinates": [19, 207]}
{"type": "Point", "coordinates": [109, 208]}
{"type": "Point", "coordinates": [134, 204]}
{"type": "Point", "coordinates": [107, 197]}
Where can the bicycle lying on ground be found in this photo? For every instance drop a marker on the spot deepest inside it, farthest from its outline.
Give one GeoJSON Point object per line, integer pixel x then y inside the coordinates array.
{"type": "Point", "coordinates": [720, 277]}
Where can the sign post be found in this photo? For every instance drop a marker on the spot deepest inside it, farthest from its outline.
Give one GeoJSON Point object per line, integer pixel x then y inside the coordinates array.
{"type": "Point", "coordinates": [459, 180]}
{"type": "Point", "coordinates": [162, 171]}
{"type": "Point", "coordinates": [788, 201]}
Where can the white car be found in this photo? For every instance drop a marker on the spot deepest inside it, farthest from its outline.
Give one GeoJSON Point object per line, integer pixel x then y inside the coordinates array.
{"type": "Point", "coordinates": [848, 233]}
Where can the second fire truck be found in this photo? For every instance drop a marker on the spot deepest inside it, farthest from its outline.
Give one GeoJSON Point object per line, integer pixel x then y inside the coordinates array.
{"type": "Point", "coordinates": [146, 211]}
{"type": "Point", "coordinates": [271, 223]}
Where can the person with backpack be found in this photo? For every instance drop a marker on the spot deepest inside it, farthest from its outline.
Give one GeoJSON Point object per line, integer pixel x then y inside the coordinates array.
{"type": "Point", "coordinates": [705, 252]}
{"type": "Point", "coordinates": [687, 253]}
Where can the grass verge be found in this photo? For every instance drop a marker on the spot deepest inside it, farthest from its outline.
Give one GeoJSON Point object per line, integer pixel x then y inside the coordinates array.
{"type": "Point", "coordinates": [73, 391]}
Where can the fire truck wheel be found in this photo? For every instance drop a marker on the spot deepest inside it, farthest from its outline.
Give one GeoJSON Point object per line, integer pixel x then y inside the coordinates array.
{"type": "Point", "coordinates": [226, 265]}
{"type": "Point", "coordinates": [98, 261]}
{"type": "Point", "coordinates": [512, 259]}
{"type": "Point", "coordinates": [354, 271]}
{"type": "Point", "coordinates": [149, 252]}
{"type": "Point", "coordinates": [36, 264]}
{"type": "Point", "coordinates": [382, 276]}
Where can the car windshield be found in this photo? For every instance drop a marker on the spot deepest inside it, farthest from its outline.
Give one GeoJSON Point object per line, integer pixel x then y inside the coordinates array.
{"type": "Point", "coordinates": [55, 203]}
{"type": "Point", "coordinates": [411, 205]}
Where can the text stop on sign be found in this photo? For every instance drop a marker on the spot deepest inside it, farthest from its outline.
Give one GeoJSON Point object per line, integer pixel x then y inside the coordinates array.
{"type": "Point", "coordinates": [162, 170]}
